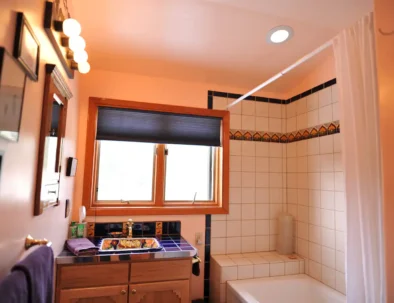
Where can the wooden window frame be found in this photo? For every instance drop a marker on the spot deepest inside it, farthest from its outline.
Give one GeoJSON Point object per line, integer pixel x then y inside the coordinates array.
{"type": "Point", "coordinates": [220, 203]}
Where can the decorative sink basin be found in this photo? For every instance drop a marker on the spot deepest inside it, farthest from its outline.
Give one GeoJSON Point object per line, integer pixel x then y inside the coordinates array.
{"type": "Point", "coordinates": [129, 245]}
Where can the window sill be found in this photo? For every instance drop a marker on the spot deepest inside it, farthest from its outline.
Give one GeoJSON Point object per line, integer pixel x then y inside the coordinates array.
{"type": "Point", "coordinates": [166, 210]}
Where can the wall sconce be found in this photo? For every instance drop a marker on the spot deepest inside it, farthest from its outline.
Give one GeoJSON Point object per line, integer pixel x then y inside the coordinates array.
{"type": "Point", "coordinates": [65, 37]}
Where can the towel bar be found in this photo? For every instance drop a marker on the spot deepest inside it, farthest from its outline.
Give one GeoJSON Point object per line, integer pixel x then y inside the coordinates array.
{"type": "Point", "coordinates": [30, 241]}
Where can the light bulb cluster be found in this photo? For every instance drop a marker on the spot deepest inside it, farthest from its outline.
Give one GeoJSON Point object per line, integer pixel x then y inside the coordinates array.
{"type": "Point", "coordinates": [72, 29]}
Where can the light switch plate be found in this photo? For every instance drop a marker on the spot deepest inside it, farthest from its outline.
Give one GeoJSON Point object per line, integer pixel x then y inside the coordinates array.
{"type": "Point", "coordinates": [198, 237]}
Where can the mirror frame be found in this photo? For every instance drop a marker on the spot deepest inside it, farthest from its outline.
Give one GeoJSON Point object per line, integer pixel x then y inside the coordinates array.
{"type": "Point", "coordinates": [55, 88]}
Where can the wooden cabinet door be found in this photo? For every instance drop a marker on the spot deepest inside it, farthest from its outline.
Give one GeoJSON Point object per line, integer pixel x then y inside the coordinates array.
{"type": "Point", "coordinates": [103, 294]}
{"type": "Point", "coordinates": [160, 292]}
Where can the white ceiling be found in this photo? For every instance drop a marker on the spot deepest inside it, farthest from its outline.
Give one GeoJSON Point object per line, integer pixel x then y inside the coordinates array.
{"type": "Point", "coordinates": [216, 41]}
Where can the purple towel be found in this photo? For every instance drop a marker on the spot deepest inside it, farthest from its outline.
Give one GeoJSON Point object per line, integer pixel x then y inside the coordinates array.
{"type": "Point", "coordinates": [38, 269]}
{"type": "Point", "coordinates": [81, 246]}
{"type": "Point", "coordinates": [13, 288]}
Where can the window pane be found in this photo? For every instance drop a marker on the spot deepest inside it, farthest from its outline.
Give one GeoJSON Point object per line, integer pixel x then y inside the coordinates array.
{"type": "Point", "coordinates": [125, 171]}
{"type": "Point", "coordinates": [189, 173]}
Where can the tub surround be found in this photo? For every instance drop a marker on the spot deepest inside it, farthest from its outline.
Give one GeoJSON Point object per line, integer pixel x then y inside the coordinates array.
{"type": "Point", "coordinates": [249, 266]}
{"type": "Point", "coordinates": [303, 176]}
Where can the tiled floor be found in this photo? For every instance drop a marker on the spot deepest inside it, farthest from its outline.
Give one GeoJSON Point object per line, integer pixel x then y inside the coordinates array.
{"type": "Point", "coordinates": [248, 266]}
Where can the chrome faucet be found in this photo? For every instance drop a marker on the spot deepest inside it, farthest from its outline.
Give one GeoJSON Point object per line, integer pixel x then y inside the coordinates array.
{"type": "Point", "coordinates": [129, 225]}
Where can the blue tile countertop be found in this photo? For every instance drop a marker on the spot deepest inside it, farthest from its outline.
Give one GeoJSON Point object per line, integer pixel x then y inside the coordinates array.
{"type": "Point", "coordinates": [173, 247]}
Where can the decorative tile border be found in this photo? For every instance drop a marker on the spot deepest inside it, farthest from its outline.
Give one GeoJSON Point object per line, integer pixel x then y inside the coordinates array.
{"type": "Point", "coordinates": [308, 92]}
{"type": "Point", "coordinates": [299, 135]}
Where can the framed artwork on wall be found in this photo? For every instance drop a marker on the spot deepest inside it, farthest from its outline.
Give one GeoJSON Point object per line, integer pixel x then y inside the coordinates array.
{"type": "Point", "coordinates": [12, 88]}
{"type": "Point", "coordinates": [26, 47]}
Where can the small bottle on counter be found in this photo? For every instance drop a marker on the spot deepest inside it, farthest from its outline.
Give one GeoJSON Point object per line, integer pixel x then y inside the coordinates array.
{"type": "Point", "coordinates": [73, 230]}
{"type": "Point", "coordinates": [81, 230]}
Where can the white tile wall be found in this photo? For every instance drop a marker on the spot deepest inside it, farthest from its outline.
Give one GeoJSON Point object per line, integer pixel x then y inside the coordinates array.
{"type": "Point", "coordinates": [308, 175]}
{"type": "Point", "coordinates": [321, 231]}
{"type": "Point", "coordinates": [257, 176]}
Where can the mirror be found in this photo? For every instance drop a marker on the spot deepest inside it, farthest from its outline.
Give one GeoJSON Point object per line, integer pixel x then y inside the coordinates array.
{"type": "Point", "coordinates": [53, 125]}
{"type": "Point", "coordinates": [12, 88]}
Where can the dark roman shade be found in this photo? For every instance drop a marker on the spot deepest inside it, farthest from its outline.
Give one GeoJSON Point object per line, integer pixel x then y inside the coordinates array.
{"type": "Point", "coordinates": [120, 124]}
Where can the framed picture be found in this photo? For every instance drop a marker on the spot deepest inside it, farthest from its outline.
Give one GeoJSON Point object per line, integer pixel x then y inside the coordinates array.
{"type": "Point", "coordinates": [26, 47]}
{"type": "Point", "coordinates": [12, 88]}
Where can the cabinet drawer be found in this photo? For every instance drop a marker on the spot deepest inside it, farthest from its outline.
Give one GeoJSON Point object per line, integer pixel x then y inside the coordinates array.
{"type": "Point", "coordinates": [160, 271]}
{"type": "Point", "coordinates": [93, 275]}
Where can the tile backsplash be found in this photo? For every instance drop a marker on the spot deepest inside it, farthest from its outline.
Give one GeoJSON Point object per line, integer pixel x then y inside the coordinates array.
{"type": "Point", "coordinates": [140, 229]}
{"type": "Point", "coordinates": [303, 176]}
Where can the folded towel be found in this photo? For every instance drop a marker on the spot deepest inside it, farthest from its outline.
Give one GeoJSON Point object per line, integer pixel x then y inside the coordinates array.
{"type": "Point", "coordinates": [13, 288]}
{"type": "Point", "coordinates": [81, 247]}
{"type": "Point", "coordinates": [38, 269]}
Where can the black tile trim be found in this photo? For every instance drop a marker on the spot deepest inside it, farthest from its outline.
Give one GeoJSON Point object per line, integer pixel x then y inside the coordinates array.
{"type": "Point", "coordinates": [311, 91]}
{"type": "Point", "coordinates": [261, 99]}
{"type": "Point", "coordinates": [220, 94]}
{"type": "Point", "coordinates": [147, 228]}
{"type": "Point", "coordinates": [210, 102]}
{"type": "Point", "coordinates": [207, 260]}
{"type": "Point", "coordinates": [273, 100]}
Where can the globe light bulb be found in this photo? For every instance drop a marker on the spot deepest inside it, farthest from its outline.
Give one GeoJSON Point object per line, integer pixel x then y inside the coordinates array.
{"type": "Point", "coordinates": [80, 56]}
{"type": "Point", "coordinates": [76, 43]}
{"type": "Point", "coordinates": [83, 67]}
{"type": "Point", "coordinates": [71, 27]}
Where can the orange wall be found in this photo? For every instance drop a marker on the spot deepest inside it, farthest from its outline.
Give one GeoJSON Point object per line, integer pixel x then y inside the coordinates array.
{"type": "Point", "coordinates": [385, 61]}
{"type": "Point", "coordinates": [145, 89]}
{"type": "Point", "coordinates": [17, 184]}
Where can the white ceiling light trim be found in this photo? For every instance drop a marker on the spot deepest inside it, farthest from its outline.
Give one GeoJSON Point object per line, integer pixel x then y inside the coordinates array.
{"type": "Point", "coordinates": [280, 34]}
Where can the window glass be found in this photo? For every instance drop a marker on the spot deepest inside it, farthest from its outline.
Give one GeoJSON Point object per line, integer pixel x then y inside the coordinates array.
{"type": "Point", "coordinates": [125, 171]}
{"type": "Point", "coordinates": [189, 173]}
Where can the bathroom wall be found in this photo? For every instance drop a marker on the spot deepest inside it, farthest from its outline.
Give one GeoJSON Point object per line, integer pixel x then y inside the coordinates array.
{"type": "Point", "coordinates": [315, 188]}
{"type": "Point", "coordinates": [303, 175]}
{"type": "Point", "coordinates": [132, 87]}
{"type": "Point", "coordinates": [17, 184]}
{"type": "Point", "coordinates": [257, 179]}
{"type": "Point", "coordinates": [385, 67]}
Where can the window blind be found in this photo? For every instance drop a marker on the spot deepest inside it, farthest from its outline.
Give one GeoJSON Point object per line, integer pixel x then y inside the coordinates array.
{"type": "Point", "coordinates": [119, 124]}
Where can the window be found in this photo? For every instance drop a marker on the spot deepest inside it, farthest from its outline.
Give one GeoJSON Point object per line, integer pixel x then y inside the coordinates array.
{"type": "Point", "coordinates": [125, 171]}
{"type": "Point", "coordinates": [146, 158]}
{"type": "Point", "coordinates": [189, 173]}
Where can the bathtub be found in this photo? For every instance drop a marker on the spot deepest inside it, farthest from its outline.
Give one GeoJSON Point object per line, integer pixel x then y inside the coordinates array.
{"type": "Point", "coordinates": [294, 289]}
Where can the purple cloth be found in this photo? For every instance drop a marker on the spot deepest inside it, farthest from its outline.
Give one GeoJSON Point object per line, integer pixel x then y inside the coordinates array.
{"type": "Point", "coordinates": [81, 246]}
{"type": "Point", "coordinates": [38, 270]}
{"type": "Point", "coordinates": [14, 289]}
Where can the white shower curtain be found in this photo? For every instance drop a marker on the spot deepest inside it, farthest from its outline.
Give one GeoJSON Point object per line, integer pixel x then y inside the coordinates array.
{"type": "Point", "coordinates": [354, 50]}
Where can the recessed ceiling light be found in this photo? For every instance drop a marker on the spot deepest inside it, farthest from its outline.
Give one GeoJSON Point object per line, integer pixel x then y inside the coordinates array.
{"type": "Point", "coordinates": [279, 34]}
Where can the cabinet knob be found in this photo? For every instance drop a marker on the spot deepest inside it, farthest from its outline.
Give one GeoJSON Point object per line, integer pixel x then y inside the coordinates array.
{"type": "Point", "coordinates": [133, 291]}
{"type": "Point", "coordinates": [123, 292]}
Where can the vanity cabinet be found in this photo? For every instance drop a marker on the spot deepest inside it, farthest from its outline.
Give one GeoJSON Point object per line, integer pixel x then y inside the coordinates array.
{"type": "Point", "coordinates": [102, 294]}
{"type": "Point", "coordinates": [158, 292]}
{"type": "Point", "coordinates": [125, 282]}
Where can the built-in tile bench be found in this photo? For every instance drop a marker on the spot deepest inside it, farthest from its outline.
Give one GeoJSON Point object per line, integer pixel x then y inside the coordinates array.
{"type": "Point", "coordinates": [248, 266]}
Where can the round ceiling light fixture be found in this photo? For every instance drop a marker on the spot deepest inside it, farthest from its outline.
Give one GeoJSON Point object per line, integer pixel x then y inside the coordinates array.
{"type": "Point", "coordinates": [280, 34]}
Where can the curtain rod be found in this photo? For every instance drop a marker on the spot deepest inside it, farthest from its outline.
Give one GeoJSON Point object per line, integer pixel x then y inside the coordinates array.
{"type": "Point", "coordinates": [283, 72]}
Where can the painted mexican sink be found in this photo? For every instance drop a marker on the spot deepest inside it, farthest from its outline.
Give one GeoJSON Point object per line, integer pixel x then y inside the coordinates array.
{"type": "Point", "coordinates": [129, 245]}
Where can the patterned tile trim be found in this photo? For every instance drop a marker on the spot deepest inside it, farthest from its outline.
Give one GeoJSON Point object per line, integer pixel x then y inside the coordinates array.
{"type": "Point", "coordinates": [271, 100]}
{"type": "Point", "coordinates": [299, 135]}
